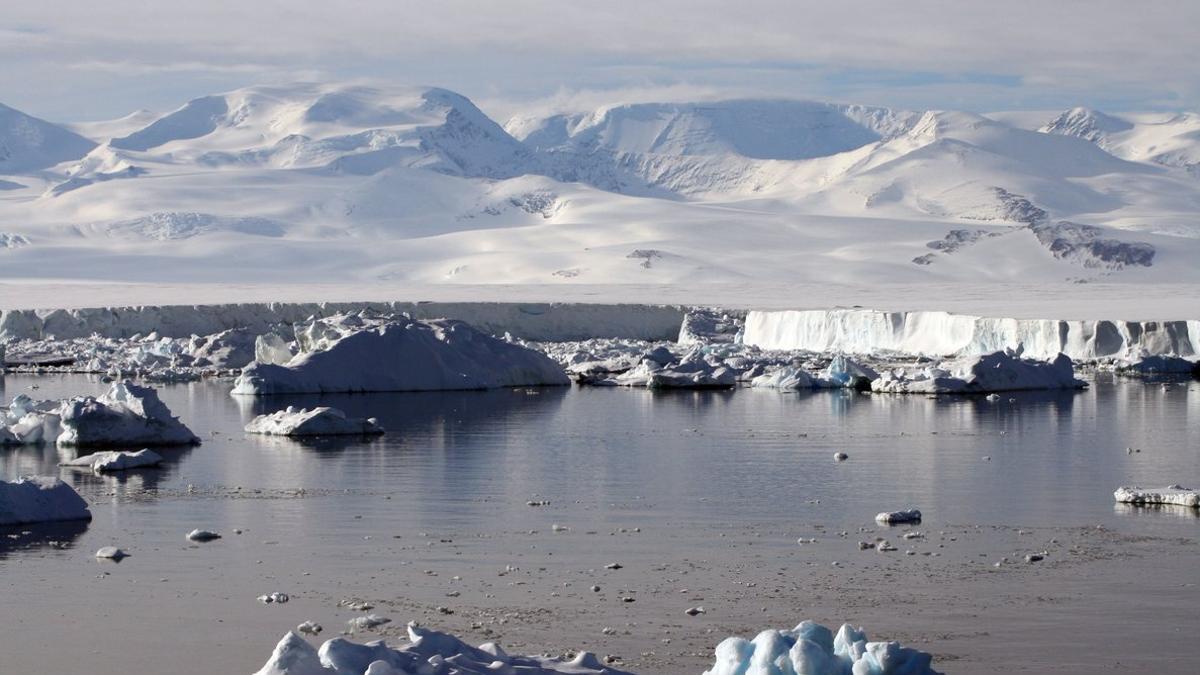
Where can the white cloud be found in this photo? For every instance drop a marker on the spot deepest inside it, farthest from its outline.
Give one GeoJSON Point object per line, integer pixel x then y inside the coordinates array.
{"type": "Point", "coordinates": [541, 49]}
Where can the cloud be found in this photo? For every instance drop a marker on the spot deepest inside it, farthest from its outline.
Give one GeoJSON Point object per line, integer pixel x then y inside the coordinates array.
{"type": "Point", "coordinates": [542, 50]}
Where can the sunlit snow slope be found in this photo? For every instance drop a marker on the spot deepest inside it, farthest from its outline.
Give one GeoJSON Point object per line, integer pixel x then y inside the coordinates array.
{"type": "Point", "coordinates": [354, 185]}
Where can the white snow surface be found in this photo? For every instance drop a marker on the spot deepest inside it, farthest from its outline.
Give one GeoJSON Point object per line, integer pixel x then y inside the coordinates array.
{"type": "Point", "coordinates": [350, 354]}
{"type": "Point", "coordinates": [428, 653]}
{"type": "Point", "coordinates": [1174, 494]}
{"type": "Point", "coordinates": [372, 188]}
{"type": "Point", "coordinates": [864, 331]}
{"type": "Point", "coordinates": [998, 371]}
{"type": "Point", "coordinates": [321, 421]}
{"type": "Point", "coordinates": [812, 649]}
{"type": "Point", "coordinates": [40, 499]}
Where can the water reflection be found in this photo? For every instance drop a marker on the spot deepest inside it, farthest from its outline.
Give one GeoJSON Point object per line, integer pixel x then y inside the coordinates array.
{"type": "Point", "coordinates": [1156, 511]}
{"type": "Point", "coordinates": [18, 539]}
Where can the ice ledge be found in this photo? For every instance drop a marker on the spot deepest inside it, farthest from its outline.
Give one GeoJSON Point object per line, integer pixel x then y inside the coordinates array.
{"type": "Point", "coordinates": [530, 320]}
{"type": "Point", "coordinates": [863, 331]}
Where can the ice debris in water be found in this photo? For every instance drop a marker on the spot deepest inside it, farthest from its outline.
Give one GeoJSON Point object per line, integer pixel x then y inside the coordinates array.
{"type": "Point", "coordinates": [812, 649]}
{"type": "Point", "coordinates": [202, 535]}
{"type": "Point", "coordinates": [353, 354]}
{"type": "Point", "coordinates": [368, 622]}
{"type": "Point", "coordinates": [998, 371]}
{"type": "Point", "coordinates": [111, 553]}
{"type": "Point", "coordinates": [40, 499]}
{"type": "Point", "coordinates": [428, 653]}
{"type": "Point", "coordinates": [273, 598]}
{"type": "Point", "coordinates": [310, 628]}
{"type": "Point", "coordinates": [897, 517]}
{"type": "Point", "coordinates": [101, 462]}
{"type": "Point", "coordinates": [323, 421]}
{"type": "Point", "coordinates": [1174, 494]}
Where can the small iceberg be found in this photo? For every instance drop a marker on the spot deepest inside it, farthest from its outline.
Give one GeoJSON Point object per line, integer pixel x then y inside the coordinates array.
{"type": "Point", "coordinates": [429, 652]}
{"type": "Point", "coordinates": [322, 421]}
{"type": "Point", "coordinates": [899, 517]}
{"type": "Point", "coordinates": [1173, 495]}
{"type": "Point", "coordinates": [812, 649]}
{"type": "Point", "coordinates": [102, 462]}
{"type": "Point", "coordinates": [40, 499]}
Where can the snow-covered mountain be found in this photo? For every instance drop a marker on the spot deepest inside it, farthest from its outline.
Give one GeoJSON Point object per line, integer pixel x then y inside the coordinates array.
{"type": "Point", "coordinates": [383, 186]}
{"type": "Point", "coordinates": [29, 144]}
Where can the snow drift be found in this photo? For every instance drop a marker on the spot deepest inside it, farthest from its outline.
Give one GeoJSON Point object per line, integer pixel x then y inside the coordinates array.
{"type": "Point", "coordinates": [813, 649]}
{"type": "Point", "coordinates": [40, 499]}
{"type": "Point", "coordinates": [404, 355]}
{"type": "Point", "coordinates": [429, 653]}
{"type": "Point", "coordinates": [864, 331]}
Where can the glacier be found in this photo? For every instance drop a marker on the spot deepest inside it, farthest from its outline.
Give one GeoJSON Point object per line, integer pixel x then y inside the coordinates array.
{"type": "Point", "coordinates": [934, 333]}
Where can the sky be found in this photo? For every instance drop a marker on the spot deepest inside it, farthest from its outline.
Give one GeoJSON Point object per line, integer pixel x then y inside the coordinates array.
{"type": "Point", "coordinates": [79, 60]}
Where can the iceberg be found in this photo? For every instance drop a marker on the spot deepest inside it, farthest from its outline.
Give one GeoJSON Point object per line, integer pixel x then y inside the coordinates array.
{"type": "Point", "coordinates": [1174, 494]}
{"type": "Point", "coordinates": [999, 371]}
{"type": "Point", "coordinates": [101, 462]}
{"type": "Point", "coordinates": [127, 415]}
{"type": "Point", "coordinates": [322, 421]}
{"type": "Point", "coordinates": [40, 499]}
{"type": "Point", "coordinates": [403, 355]}
{"type": "Point", "coordinates": [429, 653]}
{"type": "Point", "coordinates": [788, 378]}
{"type": "Point", "coordinates": [812, 649]}
{"type": "Point", "coordinates": [898, 517]}
{"type": "Point", "coordinates": [659, 369]}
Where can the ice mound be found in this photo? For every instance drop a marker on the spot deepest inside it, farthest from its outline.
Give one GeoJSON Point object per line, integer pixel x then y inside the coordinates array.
{"type": "Point", "coordinates": [127, 415]}
{"type": "Point", "coordinates": [1175, 494]}
{"type": "Point", "coordinates": [101, 462]}
{"type": "Point", "coordinates": [40, 499]}
{"type": "Point", "coordinates": [841, 372]}
{"type": "Point", "coordinates": [694, 370]}
{"type": "Point", "coordinates": [998, 371]}
{"type": "Point", "coordinates": [429, 653]}
{"type": "Point", "coordinates": [26, 422]}
{"type": "Point", "coordinates": [812, 649]}
{"type": "Point", "coordinates": [322, 421]}
{"type": "Point", "coordinates": [399, 355]}
{"type": "Point", "coordinates": [1156, 364]}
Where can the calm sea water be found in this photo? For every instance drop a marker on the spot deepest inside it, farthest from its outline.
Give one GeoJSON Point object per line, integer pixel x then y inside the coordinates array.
{"type": "Point", "coordinates": [463, 465]}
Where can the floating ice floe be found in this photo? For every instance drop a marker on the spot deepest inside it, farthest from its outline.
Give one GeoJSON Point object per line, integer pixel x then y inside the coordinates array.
{"type": "Point", "coordinates": [400, 355]}
{"type": "Point", "coordinates": [998, 371]}
{"type": "Point", "coordinates": [1174, 494]}
{"type": "Point", "coordinates": [111, 553]}
{"type": "Point", "coordinates": [812, 649]}
{"type": "Point", "coordinates": [322, 421]}
{"type": "Point", "coordinates": [428, 653]}
{"type": "Point", "coordinates": [897, 517]}
{"type": "Point", "coordinates": [40, 499]}
{"type": "Point", "coordinates": [101, 462]}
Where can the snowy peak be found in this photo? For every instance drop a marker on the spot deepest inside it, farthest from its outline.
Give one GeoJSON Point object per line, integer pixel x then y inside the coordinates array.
{"type": "Point", "coordinates": [349, 129]}
{"type": "Point", "coordinates": [30, 144]}
{"type": "Point", "coordinates": [754, 129]}
{"type": "Point", "coordinates": [1090, 125]}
